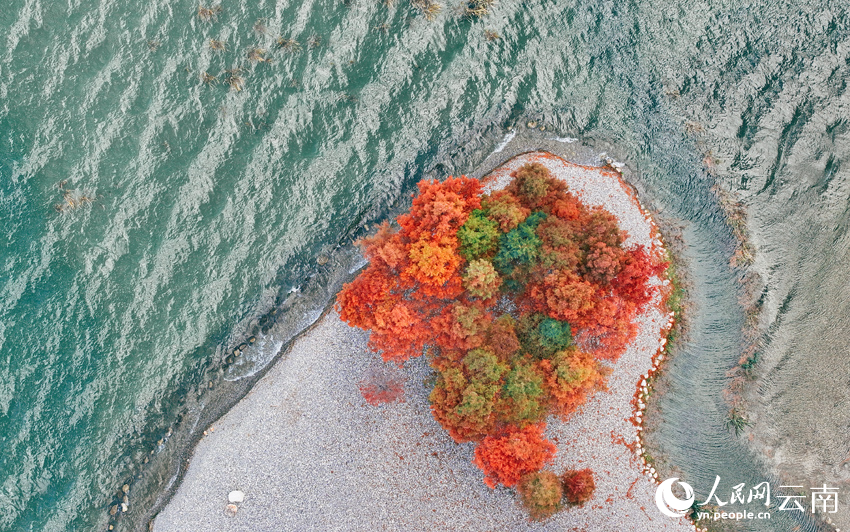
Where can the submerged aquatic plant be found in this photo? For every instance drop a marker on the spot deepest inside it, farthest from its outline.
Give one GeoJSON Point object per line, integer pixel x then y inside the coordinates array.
{"type": "Point", "coordinates": [71, 199]}
{"type": "Point", "coordinates": [477, 8]}
{"type": "Point", "coordinates": [209, 79]}
{"type": "Point", "coordinates": [234, 79]}
{"type": "Point", "coordinates": [288, 44]}
{"type": "Point", "coordinates": [208, 13]}
{"type": "Point", "coordinates": [736, 421]}
{"type": "Point", "coordinates": [257, 55]}
{"type": "Point", "coordinates": [428, 8]}
{"type": "Point", "coordinates": [218, 46]}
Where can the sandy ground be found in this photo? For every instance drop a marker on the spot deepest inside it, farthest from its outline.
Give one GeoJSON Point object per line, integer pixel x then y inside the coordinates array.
{"type": "Point", "coordinates": [310, 454]}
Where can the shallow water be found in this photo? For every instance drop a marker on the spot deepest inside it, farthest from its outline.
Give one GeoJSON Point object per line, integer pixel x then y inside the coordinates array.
{"type": "Point", "coordinates": [210, 206]}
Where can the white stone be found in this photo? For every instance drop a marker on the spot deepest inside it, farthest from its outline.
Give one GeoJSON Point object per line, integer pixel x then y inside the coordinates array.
{"type": "Point", "coordinates": [236, 496]}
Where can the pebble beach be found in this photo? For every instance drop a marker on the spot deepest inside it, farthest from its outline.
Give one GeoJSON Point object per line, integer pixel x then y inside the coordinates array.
{"type": "Point", "coordinates": [308, 453]}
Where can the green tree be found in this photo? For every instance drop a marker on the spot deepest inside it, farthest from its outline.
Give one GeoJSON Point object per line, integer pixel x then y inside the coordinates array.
{"type": "Point", "coordinates": [520, 246]}
{"type": "Point", "coordinates": [479, 236]}
{"type": "Point", "coordinates": [523, 395]}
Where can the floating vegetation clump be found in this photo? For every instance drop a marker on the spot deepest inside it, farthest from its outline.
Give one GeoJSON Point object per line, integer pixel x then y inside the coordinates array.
{"type": "Point", "coordinates": [71, 199]}
{"type": "Point", "coordinates": [736, 219]}
{"type": "Point", "coordinates": [288, 44]}
{"type": "Point", "coordinates": [314, 41]}
{"type": "Point", "coordinates": [257, 55]}
{"type": "Point", "coordinates": [218, 46]}
{"type": "Point", "coordinates": [692, 127]}
{"type": "Point", "coordinates": [428, 8]}
{"type": "Point", "coordinates": [736, 421]}
{"type": "Point", "coordinates": [477, 8]}
{"type": "Point", "coordinates": [491, 35]}
{"type": "Point", "coordinates": [234, 79]}
{"type": "Point", "coordinates": [208, 13]}
{"type": "Point", "coordinates": [209, 79]}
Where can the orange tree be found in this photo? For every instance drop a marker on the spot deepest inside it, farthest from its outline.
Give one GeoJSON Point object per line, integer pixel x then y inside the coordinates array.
{"type": "Point", "coordinates": [516, 295]}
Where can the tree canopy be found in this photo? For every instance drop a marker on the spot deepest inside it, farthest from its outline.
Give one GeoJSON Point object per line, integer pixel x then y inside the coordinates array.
{"type": "Point", "coordinates": [517, 296]}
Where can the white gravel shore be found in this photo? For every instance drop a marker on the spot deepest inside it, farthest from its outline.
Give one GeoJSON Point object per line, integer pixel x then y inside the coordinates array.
{"type": "Point", "coordinates": [310, 454]}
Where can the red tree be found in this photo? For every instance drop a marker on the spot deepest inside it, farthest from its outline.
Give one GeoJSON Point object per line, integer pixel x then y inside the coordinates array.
{"type": "Point", "coordinates": [413, 272]}
{"type": "Point", "coordinates": [578, 486]}
{"type": "Point", "coordinates": [512, 453]}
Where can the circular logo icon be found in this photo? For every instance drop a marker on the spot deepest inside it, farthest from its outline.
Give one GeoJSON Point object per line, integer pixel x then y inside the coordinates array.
{"type": "Point", "coordinates": [668, 503]}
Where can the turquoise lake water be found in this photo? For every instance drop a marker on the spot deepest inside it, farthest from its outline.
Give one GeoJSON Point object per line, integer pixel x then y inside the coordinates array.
{"type": "Point", "coordinates": [193, 217]}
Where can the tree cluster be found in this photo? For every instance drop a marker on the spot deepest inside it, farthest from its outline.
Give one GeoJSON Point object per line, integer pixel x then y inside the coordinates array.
{"type": "Point", "coordinates": [517, 296]}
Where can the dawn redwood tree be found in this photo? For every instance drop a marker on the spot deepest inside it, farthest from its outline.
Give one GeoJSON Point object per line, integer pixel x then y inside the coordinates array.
{"type": "Point", "coordinates": [511, 453]}
{"type": "Point", "coordinates": [541, 493]}
{"type": "Point", "coordinates": [578, 486]}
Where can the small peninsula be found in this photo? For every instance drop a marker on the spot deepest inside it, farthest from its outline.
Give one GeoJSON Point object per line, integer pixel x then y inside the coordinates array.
{"type": "Point", "coordinates": [538, 298]}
